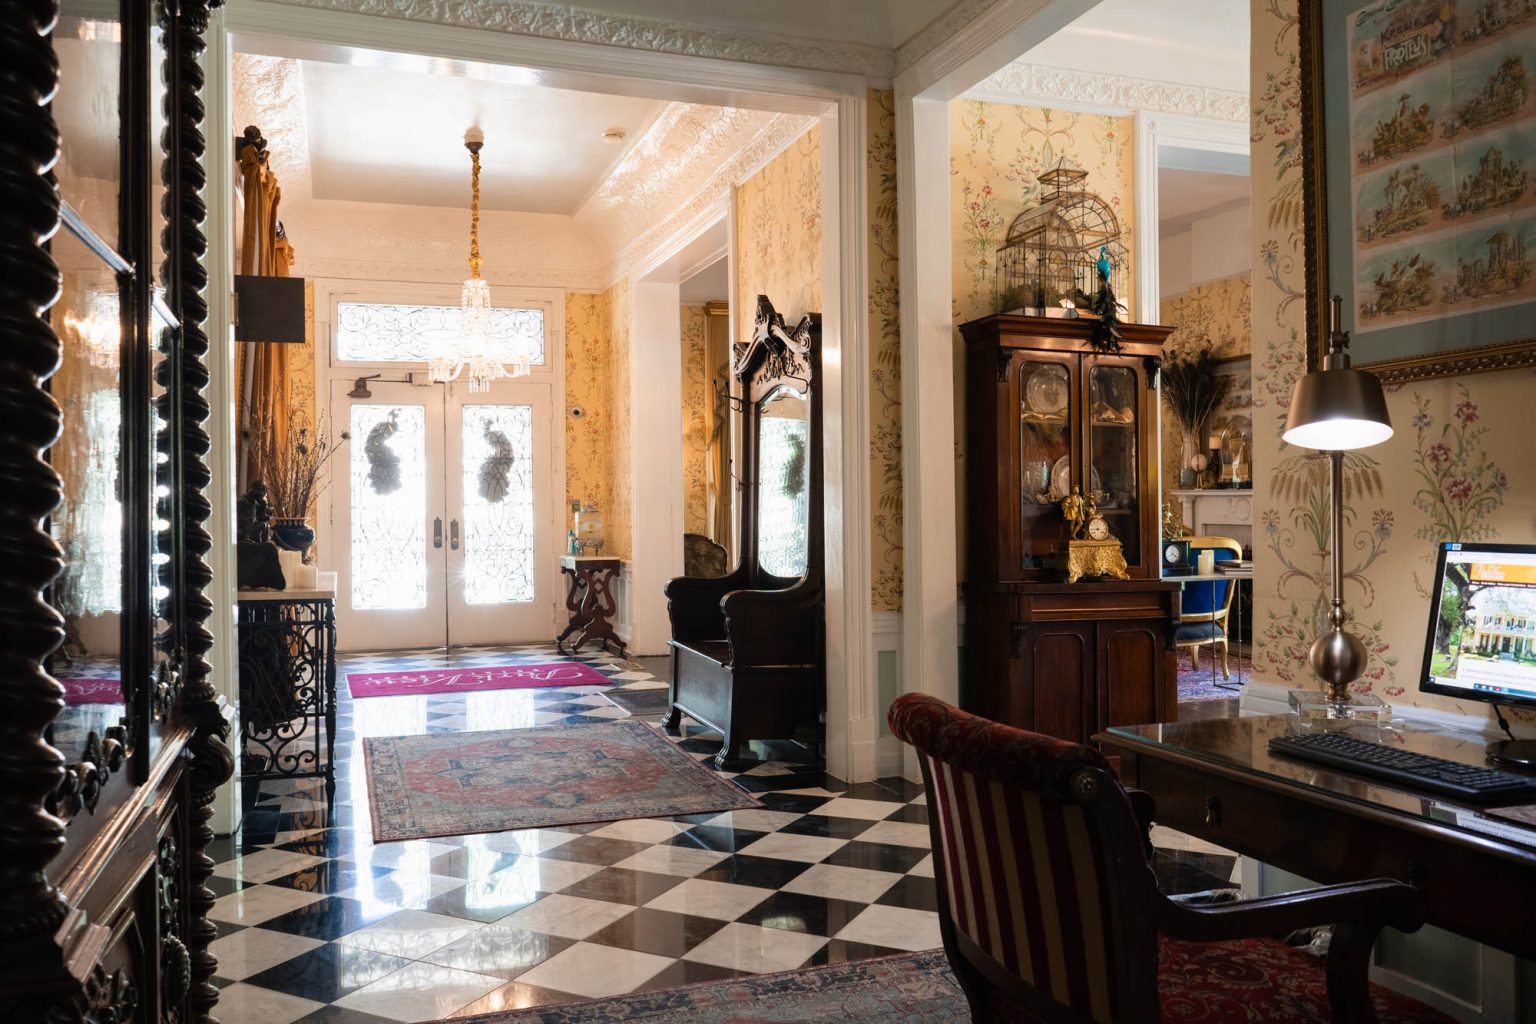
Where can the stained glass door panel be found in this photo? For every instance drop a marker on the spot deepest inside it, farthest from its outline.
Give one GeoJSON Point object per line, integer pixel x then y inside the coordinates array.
{"type": "Point", "coordinates": [387, 525]}
{"type": "Point", "coordinates": [501, 544]}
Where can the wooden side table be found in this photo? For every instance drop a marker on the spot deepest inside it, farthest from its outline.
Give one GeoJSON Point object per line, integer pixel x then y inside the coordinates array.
{"type": "Point", "coordinates": [288, 683]}
{"type": "Point", "coordinates": [590, 601]}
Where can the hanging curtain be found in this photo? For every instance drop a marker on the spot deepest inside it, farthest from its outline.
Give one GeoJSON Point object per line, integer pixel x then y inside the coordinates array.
{"type": "Point", "coordinates": [717, 356]}
{"type": "Point", "coordinates": [262, 367]}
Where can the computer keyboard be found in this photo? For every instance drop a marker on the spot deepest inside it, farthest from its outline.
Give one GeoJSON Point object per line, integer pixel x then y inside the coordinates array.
{"type": "Point", "coordinates": [1407, 769]}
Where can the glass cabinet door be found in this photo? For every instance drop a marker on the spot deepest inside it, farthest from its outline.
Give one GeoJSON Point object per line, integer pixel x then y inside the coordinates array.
{"type": "Point", "coordinates": [1114, 463]}
{"type": "Point", "coordinates": [1046, 391]}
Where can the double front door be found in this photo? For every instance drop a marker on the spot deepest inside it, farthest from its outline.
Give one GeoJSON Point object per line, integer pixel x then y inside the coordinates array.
{"type": "Point", "coordinates": [442, 521]}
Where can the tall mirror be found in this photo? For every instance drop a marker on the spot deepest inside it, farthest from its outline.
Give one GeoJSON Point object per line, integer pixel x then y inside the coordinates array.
{"type": "Point", "coordinates": [783, 506]}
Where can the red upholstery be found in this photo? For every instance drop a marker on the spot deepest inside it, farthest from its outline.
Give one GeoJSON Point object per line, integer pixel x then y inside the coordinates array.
{"type": "Point", "coordinates": [1047, 898]}
{"type": "Point", "coordinates": [1259, 980]}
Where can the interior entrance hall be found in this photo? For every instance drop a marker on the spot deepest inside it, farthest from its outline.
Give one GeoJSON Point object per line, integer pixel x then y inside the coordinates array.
{"type": "Point", "coordinates": [898, 510]}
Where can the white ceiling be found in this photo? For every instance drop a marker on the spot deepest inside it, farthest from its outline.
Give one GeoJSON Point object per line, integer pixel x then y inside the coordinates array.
{"type": "Point", "coordinates": [383, 135]}
{"type": "Point", "coordinates": [1184, 196]}
{"type": "Point", "coordinates": [1191, 42]}
{"type": "Point", "coordinates": [712, 284]}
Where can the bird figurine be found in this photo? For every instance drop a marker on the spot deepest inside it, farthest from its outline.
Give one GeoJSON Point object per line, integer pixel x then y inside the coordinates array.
{"type": "Point", "coordinates": [1106, 330]}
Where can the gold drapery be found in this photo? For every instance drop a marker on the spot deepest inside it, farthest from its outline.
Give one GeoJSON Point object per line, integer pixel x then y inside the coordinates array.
{"type": "Point", "coordinates": [262, 367]}
{"type": "Point", "coordinates": [717, 359]}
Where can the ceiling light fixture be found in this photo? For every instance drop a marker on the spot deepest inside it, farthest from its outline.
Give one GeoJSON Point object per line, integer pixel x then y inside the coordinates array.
{"type": "Point", "coordinates": [473, 349]}
{"type": "Point", "coordinates": [614, 136]}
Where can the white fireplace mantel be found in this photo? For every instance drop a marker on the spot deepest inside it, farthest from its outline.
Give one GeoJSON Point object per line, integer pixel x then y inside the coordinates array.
{"type": "Point", "coordinates": [1214, 512]}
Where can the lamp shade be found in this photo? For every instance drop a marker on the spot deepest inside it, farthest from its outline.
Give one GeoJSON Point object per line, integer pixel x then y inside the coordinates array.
{"type": "Point", "coordinates": [1337, 410]}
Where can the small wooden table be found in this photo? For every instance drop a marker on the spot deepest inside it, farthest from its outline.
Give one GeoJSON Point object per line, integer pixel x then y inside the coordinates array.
{"type": "Point", "coordinates": [590, 601]}
{"type": "Point", "coordinates": [1216, 779]}
{"type": "Point", "coordinates": [288, 683]}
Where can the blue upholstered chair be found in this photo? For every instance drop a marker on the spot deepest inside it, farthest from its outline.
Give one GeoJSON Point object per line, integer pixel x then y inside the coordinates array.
{"type": "Point", "coordinates": [1206, 604]}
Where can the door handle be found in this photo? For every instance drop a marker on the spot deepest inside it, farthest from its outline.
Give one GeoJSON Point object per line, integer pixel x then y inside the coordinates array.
{"type": "Point", "coordinates": [437, 532]}
{"type": "Point", "coordinates": [453, 534]}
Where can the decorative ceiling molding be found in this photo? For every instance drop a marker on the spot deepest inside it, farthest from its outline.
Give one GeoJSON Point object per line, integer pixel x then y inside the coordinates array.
{"type": "Point", "coordinates": [1035, 84]}
{"type": "Point", "coordinates": [269, 93]}
{"type": "Point", "coordinates": [571, 24]}
{"type": "Point", "coordinates": [939, 31]}
{"type": "Point", "coordinates": [680, 154]}
{"type": "Point", "coordinates": [737, 164]}
{"type": "Point", "coordinates": [576, 279]}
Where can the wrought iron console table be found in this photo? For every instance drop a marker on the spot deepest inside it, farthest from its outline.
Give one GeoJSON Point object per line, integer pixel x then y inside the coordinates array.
{"type": "Point", "coordinates": [288, 684]}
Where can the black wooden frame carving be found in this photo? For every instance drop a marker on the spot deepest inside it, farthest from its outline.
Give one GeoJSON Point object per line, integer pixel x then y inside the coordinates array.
{"type": "Point", "coordinates": [48, 972]}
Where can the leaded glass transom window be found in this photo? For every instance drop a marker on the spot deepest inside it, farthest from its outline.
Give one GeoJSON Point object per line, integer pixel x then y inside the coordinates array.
{"type": "Point", "coordinates": [379, 332]}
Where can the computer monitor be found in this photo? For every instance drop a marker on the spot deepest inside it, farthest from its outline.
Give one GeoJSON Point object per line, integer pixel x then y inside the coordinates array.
{"type": "Point", "coordinates": [1482, 632]}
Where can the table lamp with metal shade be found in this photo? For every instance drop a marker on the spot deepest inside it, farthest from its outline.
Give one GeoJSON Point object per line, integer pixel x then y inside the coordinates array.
{"type": "Point", "coordinates": [1334, 410]}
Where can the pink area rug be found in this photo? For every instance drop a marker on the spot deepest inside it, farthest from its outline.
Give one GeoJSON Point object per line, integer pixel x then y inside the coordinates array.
{"type": "Point", "coordinates": [79, 690]}
{"type": "Point", "coordinates": [453, 680]}
{"type": "Point", "coordinates": [450, 784]}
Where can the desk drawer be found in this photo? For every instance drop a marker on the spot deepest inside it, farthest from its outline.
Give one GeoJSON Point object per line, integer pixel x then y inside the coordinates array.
{"type": "Point", "coordinates": [1462, 878]}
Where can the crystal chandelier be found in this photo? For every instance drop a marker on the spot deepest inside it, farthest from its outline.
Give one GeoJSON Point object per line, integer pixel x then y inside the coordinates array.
{"type": "Point", "coordinates": [472, 351]}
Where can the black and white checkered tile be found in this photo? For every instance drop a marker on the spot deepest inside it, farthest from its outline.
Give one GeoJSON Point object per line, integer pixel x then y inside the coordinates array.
{"type": "Point", "coordinates": [319, 924]}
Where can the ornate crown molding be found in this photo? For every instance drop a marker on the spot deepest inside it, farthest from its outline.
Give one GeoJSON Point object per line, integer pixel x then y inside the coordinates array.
{"type": "Point", "coordinates": [564, 22]}
{"type": "Point", "coordinates": [778, 132]}
{"type": "Point", "coordinates": [1033, 83]}
{"type": "Point", "coordinates": [939, 31]}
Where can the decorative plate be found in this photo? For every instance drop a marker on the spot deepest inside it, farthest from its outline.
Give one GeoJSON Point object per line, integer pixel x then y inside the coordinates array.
{"type": "Point", "coordinates": [1061, 478]}
{"type": "Point", "coordinates": [1046, 391]}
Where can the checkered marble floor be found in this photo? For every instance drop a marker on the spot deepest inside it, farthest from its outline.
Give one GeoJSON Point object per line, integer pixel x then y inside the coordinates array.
{"type": "Point", "coordinates": [319, 924]}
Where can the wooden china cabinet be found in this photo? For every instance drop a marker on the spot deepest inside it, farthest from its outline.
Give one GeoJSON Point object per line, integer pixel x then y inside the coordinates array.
{"type": "Point", "coordinates": [1046, 414]}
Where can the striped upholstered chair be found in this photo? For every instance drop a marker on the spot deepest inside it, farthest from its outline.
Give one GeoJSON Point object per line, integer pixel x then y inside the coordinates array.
{"type": "Point", "coordinates": [1049, 909]}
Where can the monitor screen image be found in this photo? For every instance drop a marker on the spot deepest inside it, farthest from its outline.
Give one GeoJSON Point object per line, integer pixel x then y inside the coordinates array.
{"type": "Point", "coordinates": [1482, 624]}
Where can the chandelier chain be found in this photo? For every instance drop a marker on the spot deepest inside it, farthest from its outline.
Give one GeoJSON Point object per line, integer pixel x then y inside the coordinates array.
{"type": "Point", "coordinates": [474, 211]}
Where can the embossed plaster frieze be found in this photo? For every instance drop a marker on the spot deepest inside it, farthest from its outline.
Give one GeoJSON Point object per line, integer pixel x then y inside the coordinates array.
{"type": "Point", "coordinates": [576, 278]}
{"type": "Point", "coordinates": [269, 93]}
{"type": "Point", "coordinates": [1033, 83]}
{"type": "Point", "coordinates": [939, 31]}
{"type": "Point", "coordinates": [571, 24]}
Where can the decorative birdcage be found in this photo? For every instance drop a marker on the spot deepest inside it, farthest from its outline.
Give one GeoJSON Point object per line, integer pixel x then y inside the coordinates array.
{"type": "Point", "coordinates": [1051, 253]}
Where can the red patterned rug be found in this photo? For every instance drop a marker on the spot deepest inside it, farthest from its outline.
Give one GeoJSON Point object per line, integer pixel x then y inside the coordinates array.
{"type": "Point", "coordinates": [452, 784]}
{"type": "Point", "coordinates": [454, 680]}
{"type": "Point", "coordinates": [80, 690]}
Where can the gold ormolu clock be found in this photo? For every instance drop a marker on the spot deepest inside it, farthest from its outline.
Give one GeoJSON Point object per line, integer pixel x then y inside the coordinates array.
{"type": "Point", "coordinates": [1096, 554]}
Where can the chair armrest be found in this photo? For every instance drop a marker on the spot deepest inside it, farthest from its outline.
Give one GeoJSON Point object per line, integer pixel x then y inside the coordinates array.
{"type": "Point", "coordinates": [1373, 903]}
{"type": "Point", "coordinates": [771, 627]}
{"type": "Point", "coordinates": [693, 606]}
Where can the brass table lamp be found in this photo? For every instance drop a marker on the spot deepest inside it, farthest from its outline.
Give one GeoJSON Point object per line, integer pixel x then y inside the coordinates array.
{"type": "Point", "coordinates": [1337, 409]}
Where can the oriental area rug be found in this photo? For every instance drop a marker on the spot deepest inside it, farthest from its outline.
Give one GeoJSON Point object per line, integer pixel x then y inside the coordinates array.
{"type": "Point", "coordinates": [909, 988]}
{"type": "Point", "coordinates": [454, 680]}
{"type": "Point", "coordinates": [90, 690]}
{"type": "Point", "coordinates": [449, 784]}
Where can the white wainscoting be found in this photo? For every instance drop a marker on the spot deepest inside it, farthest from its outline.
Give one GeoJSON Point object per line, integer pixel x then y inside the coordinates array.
{"type": "Point", "coordinates": [885, 628]}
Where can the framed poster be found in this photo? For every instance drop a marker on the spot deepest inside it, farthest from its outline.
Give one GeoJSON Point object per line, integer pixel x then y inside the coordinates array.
{"type": "Point", "coordinates": [1419, 159]}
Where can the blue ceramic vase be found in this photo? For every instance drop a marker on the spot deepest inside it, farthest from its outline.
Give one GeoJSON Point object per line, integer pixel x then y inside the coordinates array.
{"type": "Point", "coordinates": [292, 533]}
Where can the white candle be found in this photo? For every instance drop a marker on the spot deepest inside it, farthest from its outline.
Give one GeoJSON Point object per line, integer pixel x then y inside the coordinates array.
{"type": "Point", "coordinates": [1206, 563]}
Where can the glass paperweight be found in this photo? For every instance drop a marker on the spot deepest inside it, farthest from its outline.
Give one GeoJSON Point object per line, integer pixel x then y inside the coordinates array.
{"type": "Point", "coordinates": [1318, 704]}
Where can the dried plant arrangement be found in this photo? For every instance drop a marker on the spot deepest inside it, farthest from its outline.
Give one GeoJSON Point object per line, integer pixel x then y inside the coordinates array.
{"type": "Point", "coordinates": [293, 471]}
{"type": "Point", "coordinates": [1193, 387]}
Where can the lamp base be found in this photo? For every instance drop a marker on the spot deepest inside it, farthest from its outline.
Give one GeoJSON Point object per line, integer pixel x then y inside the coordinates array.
{"type": "Point", "coordinates": [1316, 704]}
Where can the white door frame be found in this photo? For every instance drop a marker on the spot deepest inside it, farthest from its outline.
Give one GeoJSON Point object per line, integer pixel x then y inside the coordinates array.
{"type": "Point", "coordinates": [839, 98]}
{"type": "Point", "coordinates": [930, 638]}
{"type": "Point", "coordinates": [330, 292]}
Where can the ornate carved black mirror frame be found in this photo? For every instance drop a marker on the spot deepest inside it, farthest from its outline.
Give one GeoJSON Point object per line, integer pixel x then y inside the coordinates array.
{"type": "Point", "coordinates": [66, 815]}
{"type": "Point", "coordinates": [779, 361]}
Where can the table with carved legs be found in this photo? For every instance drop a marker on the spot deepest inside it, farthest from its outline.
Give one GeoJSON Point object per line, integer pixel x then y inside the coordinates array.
{"type": "Point", "coordinates": [590, 600]}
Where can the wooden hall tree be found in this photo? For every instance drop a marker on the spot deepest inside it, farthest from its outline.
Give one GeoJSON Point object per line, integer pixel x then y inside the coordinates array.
{"type": "Point", "coordinates": [104, 815]}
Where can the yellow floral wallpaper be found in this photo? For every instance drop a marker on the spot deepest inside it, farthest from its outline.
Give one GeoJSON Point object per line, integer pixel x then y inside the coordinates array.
{"type": "Point", "coordinates": [778, 234]}
{"type": "Point", "coordinates": [885, 355]}
{"type": "Point", "coordinates": [696, 418]}
{"type": "Point", "coordinates": [588, 383]}
{"type": "Point", "coordinates": [1218, 313]}
{"type": "Point", "coordinates": [616, 514]}
{"type": "Point", "coordinates": [996, 153]}
{"type": "Point", "coordinates": [1459, 466]}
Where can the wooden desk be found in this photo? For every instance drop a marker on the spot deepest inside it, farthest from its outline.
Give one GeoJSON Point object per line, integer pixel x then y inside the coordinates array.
{"type": "Point", "coordinates": [1216, 780]}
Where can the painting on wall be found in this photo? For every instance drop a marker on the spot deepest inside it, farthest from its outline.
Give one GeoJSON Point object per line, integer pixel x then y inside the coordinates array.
{"type": "Point", "coordinates": [1419, 141]}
